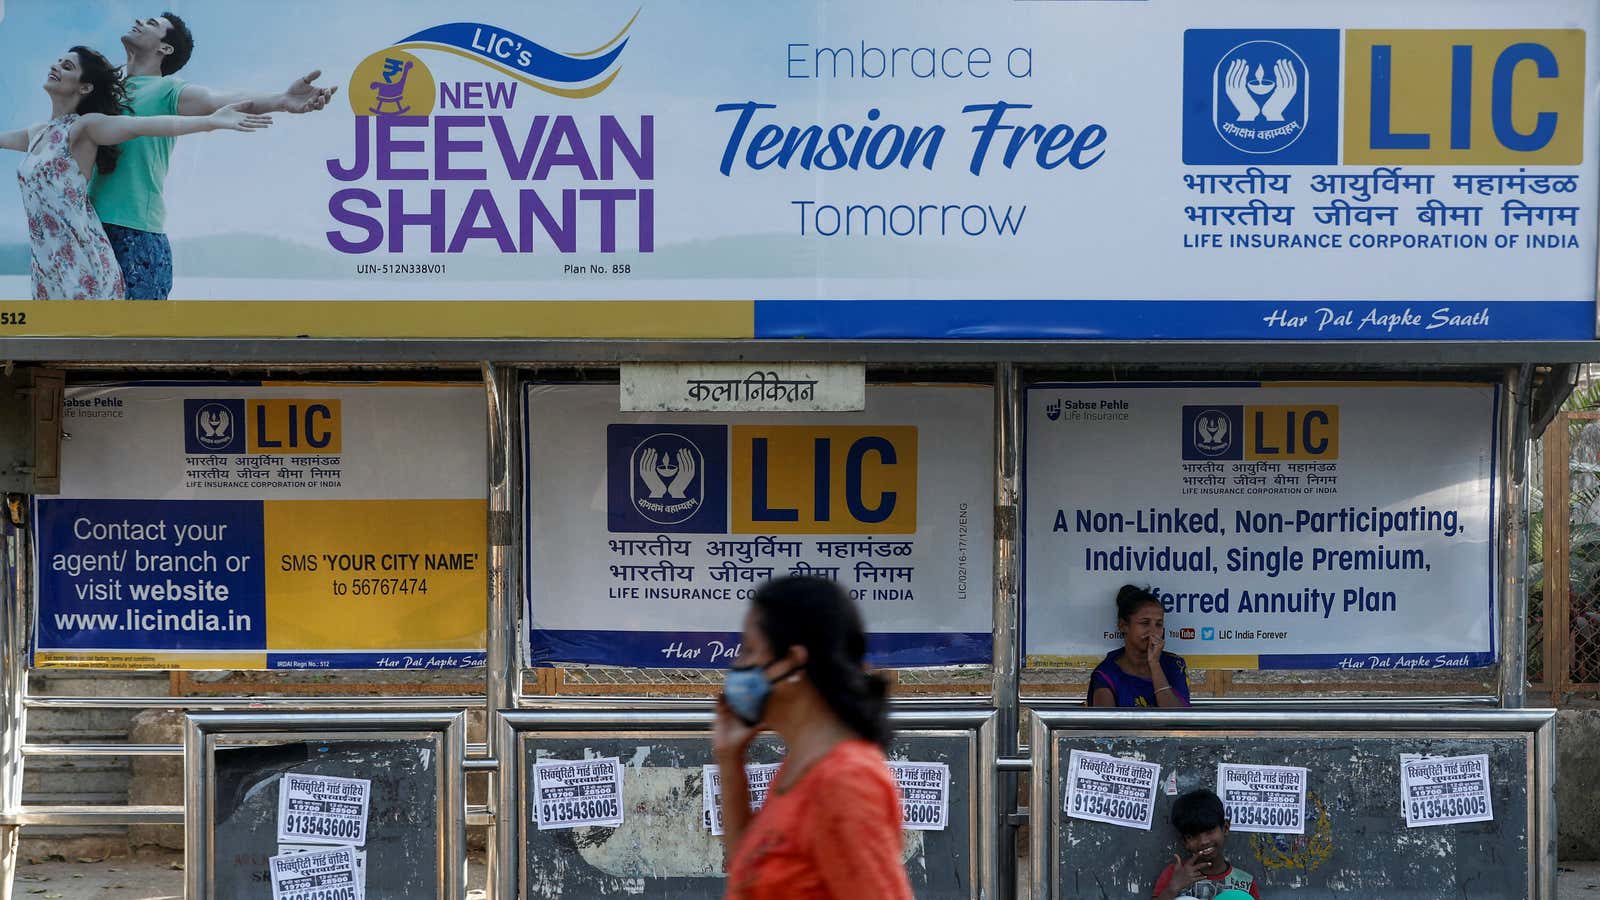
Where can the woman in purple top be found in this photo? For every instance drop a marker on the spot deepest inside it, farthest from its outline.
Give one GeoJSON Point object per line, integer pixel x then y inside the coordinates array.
{"type": "Point", "coordinates": [1140, 673]}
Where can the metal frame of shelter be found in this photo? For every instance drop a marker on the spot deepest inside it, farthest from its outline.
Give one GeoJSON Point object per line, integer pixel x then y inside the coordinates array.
{"type": "Point", "coordinates": [1532, 375]}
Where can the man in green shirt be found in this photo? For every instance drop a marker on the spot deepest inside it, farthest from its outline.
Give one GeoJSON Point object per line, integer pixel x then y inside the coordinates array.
{"type": "Point", "coordinates": [129, 200]}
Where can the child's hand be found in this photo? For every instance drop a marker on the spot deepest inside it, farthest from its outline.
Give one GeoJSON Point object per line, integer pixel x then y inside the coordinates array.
{"type": "Point", "coordinates": [1186, 873]}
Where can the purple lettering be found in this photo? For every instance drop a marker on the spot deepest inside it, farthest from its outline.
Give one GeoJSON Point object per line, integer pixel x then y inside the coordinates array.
{"type": "Point", "coordinates": [565, 133]}
{"type": "Point", "coordinates": [607, 198]}
{"type": "Point", "coordinates": [389, 145]}
{"type": "Point", "coordinates": [363, 154]}
{"type": "Point", "coordinates": [614, 139]}
{"type": "Point", "coordinates": [519, 165]}
{"type": "Point", "coordinates": [482, 201]}
{"type": "Point", "coordinates": [563, 234]}
{"type": "Point", "coordinates": [443, 146]}
{"type": "Point", "coordinates": [339, 207]}
{"type": "Point", "coordinates": [433, 218]}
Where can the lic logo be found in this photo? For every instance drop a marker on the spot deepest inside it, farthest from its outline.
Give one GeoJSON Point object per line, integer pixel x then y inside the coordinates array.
{"type": "Point", "coordinates": [667, 478]}
{"type": "Point", "coordinates": [1252, 95]}
{"type": "Point", "coordinates": [671, 478]}
{"type": "Point", "coordinates": [1213, 432]}
{"type": "Point", "coordinates": [214, 426]}
{"type": "Point", "coordinates": [1260, 106]}
{"type": "Point", "coordinates": [1053, 410]}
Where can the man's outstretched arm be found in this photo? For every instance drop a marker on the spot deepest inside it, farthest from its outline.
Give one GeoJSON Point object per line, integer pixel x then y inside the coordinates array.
{"type": "Point", "coordinates": [302, 96]}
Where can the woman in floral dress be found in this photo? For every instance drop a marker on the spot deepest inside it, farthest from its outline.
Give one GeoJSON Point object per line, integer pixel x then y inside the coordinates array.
{"type": "Point", "coordinates": [72, 260]}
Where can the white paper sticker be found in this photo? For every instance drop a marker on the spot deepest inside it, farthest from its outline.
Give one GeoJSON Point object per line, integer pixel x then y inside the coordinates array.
{"type": "Point", "coordinates": [924, 795]}
{"type": "Point", "coordinates": [1445, 790]}
{"type": "Point", "coordinates": [759, 777]}
{"type": "Point", "coordinates": [322, 809]}
{"type": "Point", "coordinates": [1109, 789]}
{"type": "Point", "coordinates": [329, 873]}
{"type": "Point", "coordinates": [361, 858]}
{"type": "Point", "coordinates": [576, 793]}
{"type": "Point", "coordinates": [1266, 799]}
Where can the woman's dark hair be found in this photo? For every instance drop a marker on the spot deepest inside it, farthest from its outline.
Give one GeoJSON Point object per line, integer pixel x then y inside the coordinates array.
{"type": "Point", "coordinates": [817, 614]}
{"type": "Point", "coordinates": [109, 97]}
{"type": "Point", "coordinates": [1197, 811]}
{"type": "Point", "coordinates": [1130, 599]}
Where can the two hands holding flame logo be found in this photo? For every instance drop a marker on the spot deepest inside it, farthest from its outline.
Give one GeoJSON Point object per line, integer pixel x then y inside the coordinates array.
{"type": "Point", "coordinates": [1243, 87]}
{"type": "Point", "coordinates": [656, 467]}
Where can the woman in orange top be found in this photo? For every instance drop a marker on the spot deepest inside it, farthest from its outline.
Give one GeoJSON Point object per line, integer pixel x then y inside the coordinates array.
{"type": "Point", "coordinates": [831, 823]}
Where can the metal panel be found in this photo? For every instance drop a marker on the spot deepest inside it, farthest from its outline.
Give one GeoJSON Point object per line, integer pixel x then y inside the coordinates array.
{"type": "Point", "coordinates": [203, 734]}
{"type": "Point", "coordinates": [520, 729]}
{"type": "Point", "coordinates": [1050, 729]}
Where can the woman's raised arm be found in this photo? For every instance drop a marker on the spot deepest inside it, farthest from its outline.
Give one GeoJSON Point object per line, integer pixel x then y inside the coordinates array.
{"type": "Point", "coordinates": [14, 140]}
{"type": "Point", "coordinates": [104, 129]}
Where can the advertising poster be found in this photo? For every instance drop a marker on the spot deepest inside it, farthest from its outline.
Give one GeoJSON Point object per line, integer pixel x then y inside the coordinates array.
{"type": "Point", "coordinates": [1282, 525]}
{"type": "Point", "coordinates": [1445, 790]}
{"type": "Point", "coordinates": [1326, 169]}
{"type": "Point", "coordinates": [758, 777]}
{"type": "Point", "coordinates": [1266, 799]}
{"type": "Point", "coordinates": [924, 794]}
{"type": "Point", "coordinates": [649, 532]}
{"type": "Point", "coordinates": [323, 809]}
{"type": "Point", "coordinates": [265, 526]}
{"type": "Point", "coordinates": [577, 793]}
{"type": "Point", "coordinates": [326, 874]}
{"type": "Point", "coordinates": [1110, 789]}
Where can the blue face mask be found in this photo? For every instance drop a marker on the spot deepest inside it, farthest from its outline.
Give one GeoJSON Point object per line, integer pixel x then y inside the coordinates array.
{"type": "Point", "coordinates": [746, 689]}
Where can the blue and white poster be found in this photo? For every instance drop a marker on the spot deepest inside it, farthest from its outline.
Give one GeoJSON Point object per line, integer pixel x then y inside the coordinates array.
{"type": "Point", "coordinates": [265, 525]}
{"type": "Point", "coordinates": [648, 532]}
{"type": "Point", "coordinates": [1282, 525]}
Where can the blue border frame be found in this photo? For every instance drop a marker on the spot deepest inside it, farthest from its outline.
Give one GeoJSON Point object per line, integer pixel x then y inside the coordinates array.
{"type": "Point", "coordinates": [1475, 659]}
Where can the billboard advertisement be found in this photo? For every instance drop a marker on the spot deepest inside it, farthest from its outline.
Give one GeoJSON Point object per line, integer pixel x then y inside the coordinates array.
{"type": "Point", "coordinates": [265, 526]}
{"type": "Point", "coordinates": [1282, 525]}
{"type": "Point", "coordinates": [649, 532]}
{"type": "Point", "coordinates": [1186, 169]}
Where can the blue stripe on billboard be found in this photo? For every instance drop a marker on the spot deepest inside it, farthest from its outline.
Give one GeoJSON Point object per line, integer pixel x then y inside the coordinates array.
{"type": "Point", "coordinates": [1376, 662]}
{"type": "Point", "coordinates": [666, 649]}
{"type": "Point", "coordinates": [1313, 320]}
{"type": "Point", "coordinates": [389, 659]}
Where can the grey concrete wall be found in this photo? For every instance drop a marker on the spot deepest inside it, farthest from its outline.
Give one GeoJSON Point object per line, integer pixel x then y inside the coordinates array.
{"type": "Point", "coordinates": [1578, 784]}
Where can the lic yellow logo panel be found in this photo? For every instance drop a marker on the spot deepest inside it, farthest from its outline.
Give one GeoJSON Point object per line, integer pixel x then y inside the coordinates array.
{"type": "Point", "coordinates": [801, 479]}
{"type": "Point", "coordinates": [1291, 432]}
{"type": "Point", "coordinates": [1491, 97]}
{"type": "Point", "coordinates": [297, 426]}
